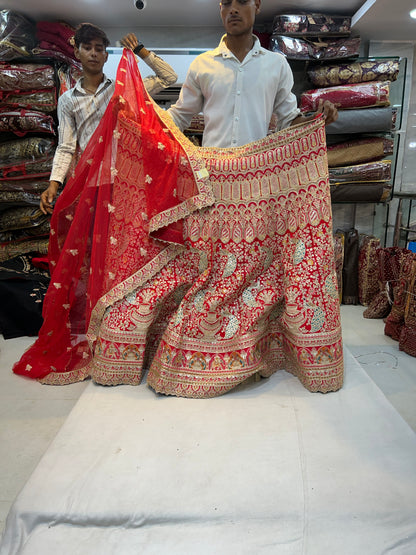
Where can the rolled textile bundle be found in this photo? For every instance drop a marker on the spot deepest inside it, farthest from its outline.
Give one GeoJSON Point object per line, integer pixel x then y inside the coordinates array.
{"type": "Point", "coordinates": [359, 150]}
{"type": "Point", "coordinates": [26, 77]}
{"type": "Point", "coordinates": [42, 100]}
{"type": "Point", "coordinates": [369, 120]}
{"type": "Point", "coordinates": [20, 122]}
{"type": "Point", "coordinates": [360, 192]}
{"type": "Point", "coordinates": [19, 150]}
{"type": "Point", "coordinates": [370, 171]}
{"type": "Point", "coordinates": [356, 95]}
{"type": "Point", "coordinates": [25, 185]}
{"type": "Point", "coordinates": [17, 35]}
{"type": "Point", "coordinates": [313, 24]}
{"type": "Point", "coordinates": [368, 285]}
{"type": "Point", "coordinates": [9, 249]}
{"type": "Point", "coordinates": [355, 72]}
{"type": "Point", "coordinates": [301, 49]}
{"type": "Point", "coordinates": [13, 199]}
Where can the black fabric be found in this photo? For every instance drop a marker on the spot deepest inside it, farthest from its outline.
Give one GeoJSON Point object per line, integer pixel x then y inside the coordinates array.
{"type": "Point", "coordinates": [22, 290]}
{"type": "Point", "coordinates": [350, 268]}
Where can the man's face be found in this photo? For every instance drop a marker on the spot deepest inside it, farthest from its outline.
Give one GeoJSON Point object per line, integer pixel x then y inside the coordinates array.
{"type": "Point", "coordinates": [92, 56]}
{"type": "Point", "coordinates": [238, 15]}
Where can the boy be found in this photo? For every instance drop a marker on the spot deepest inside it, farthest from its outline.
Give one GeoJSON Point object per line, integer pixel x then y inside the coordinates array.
{"type": "Point", "coordinates": [81, 108]}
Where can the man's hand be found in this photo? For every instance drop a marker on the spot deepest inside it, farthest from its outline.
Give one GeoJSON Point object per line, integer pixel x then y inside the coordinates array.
{"type": "Point", "coordinates": [329, 111]}
{"type": "Point", "coordinates": [130, 41]}
{"type": "Point", "coordinates": [48, 196]}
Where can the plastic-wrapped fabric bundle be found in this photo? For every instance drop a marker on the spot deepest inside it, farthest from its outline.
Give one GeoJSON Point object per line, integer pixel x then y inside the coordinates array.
{"type": "Point", "coordinates": [311, 25]}
{"type": "Point", "coordinates": [26, 77]}
{"type": "Point", "coordinates": [368, 120]}
{"type": "Point", "coordinates": [25, 185]}
{"type": "Point", "coordinates": [370, 171]}
{"type": "Point", "coordinates": [302, 49]}
{"type": "Point", "coordinates": [42, 100]}
{"type": "Point", "coordinates": [28, 156]}
{"type": "Point", "coordinates": [9, 249]}
{"type": "Point", "coordinates": [356, 95]}
{"type": "Point", "coordinates": [17, 35]}
{"type": "Point", "coordinates": [360, 192]}
{"type": "Point", "coordinates": [21, 121]}
{"type": "Point", "coordinates": [355, 72]}
{"type": "Point", "coordinates": [359, 150]}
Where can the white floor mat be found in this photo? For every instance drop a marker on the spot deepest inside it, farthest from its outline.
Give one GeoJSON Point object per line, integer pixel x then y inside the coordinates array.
{"type": "Point", "coordinates": [266, 469]}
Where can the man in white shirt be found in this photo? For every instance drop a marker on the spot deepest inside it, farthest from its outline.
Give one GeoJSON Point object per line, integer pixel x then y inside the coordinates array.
{"type": "Point", "coordinates": [81, 108]}
{"type": "Point", "coordinates": [239, 85]}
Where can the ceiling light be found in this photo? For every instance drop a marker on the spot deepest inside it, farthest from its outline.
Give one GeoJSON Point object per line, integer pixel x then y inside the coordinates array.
{"type": "Point", "coordinates": [413, 14]}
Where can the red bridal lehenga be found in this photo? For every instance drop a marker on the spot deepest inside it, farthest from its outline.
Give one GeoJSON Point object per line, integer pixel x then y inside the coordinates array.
{"type": "Point", "coordinates": [200, 266]}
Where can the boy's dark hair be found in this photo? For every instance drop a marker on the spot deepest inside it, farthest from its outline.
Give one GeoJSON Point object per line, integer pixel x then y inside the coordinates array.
{"type": "Point", "coordinates": [86, 32]}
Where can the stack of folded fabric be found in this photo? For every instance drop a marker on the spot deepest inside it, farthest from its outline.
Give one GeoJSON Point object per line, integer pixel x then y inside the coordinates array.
{"type": "Point", "coordinates": [361, 91]}
{"type": "Point", "coordinates": [27, 109]}
{"type": "Point", "coordinates": [55, 41]}
{"type": "Point", "coordinates": [17, 35]}
{"type": "Point", "coordinates": [314, 37]}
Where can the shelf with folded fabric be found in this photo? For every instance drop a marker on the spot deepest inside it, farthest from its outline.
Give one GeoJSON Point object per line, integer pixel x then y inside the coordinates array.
{"type": "Point", "coordinates": [369, 95]}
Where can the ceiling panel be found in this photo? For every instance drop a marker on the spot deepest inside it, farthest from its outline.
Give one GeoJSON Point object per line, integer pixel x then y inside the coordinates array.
{"type": "Point", "coordinates": [384, 19]}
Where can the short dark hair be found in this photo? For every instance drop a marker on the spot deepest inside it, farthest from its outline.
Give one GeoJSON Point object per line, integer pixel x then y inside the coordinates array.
{"type": "Point", "coordinates": [86, 32]}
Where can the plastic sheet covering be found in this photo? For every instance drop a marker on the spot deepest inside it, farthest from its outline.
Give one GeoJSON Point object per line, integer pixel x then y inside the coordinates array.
{"type": "Point", "coordinates": [356, 95]}
{"type": "Point", "coordinates": [360, 192]}
{"type": "Point", "coordinates": [360, 150]}
{"type": "Point", "coordinates": [370, 171]}
{"type": "Point", "coordinates": [21, 218]}
{"type": "Point", "coordinates": [356, 72]}
{"type": "Point", "coordinates": [301, 49]}
{"type": "Point", "coordinates": [314, 24]}
{"type": "Point", "coordinates": [17, 35]}
{"type": "Point", "coordinates": [26, 77]}
{"type": "Point", "coordinates": [20, 122]}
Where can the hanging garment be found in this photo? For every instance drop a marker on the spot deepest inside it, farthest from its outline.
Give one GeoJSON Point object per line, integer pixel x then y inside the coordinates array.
{"type": "Point", "coordinates": [206, 266]}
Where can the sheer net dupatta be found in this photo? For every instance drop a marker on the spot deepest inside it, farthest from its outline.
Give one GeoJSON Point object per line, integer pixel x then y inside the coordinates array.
{"type": "Point", "coordinates": [119, 216]}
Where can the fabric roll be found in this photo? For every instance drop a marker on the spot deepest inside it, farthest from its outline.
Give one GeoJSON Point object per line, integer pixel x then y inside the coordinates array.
{"type": "Point", "coordinates": [356, 72]}
{"type": "Point", "coordinates": [9, 249]}
{"type": "Point", "coordinates": [356, 95]}
{"type": "Point", "coordinates": [368, 285]}
{"type": "Point", "coordinates": [11, 199]}
{"type": "Point", "coordinates": [17, 35]}
{"type": "Point", "coordinates": [350, 267]}
{"type": "Point", "coordinates": [311, 25]}
{"type": "Point", "coordinates": [42, 100]}
{"type": "Point", "coordinates": [26, 77]}
{"type": "Point", "coordinates": [359, 150]}
{"type": "Point", "coordinates": [370, 171]}
{"type": "Point", "coordinates": [369, 120]}
{"type": "Point", "coordinates": [21, 121]}
{"type": "Point", "coordinates": [329, 49]}
{"type": "Point", "coordinates": [360, 192]}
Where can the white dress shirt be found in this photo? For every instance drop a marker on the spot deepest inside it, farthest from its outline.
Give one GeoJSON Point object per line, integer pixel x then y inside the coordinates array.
{"type": "Point", "coordinates": [80, 112]}
{"type": "Point", "coordinates": [237, 99]}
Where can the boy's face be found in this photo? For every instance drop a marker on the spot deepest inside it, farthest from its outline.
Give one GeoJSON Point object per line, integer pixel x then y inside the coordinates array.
{"type": "Point", "coordinates": [238, 16]}
{"type": "Point", "coordinates": [92, 55]}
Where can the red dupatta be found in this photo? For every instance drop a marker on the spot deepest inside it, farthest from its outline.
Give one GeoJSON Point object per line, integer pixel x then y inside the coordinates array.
{"type": "Point", "coordinates": [119, 215]}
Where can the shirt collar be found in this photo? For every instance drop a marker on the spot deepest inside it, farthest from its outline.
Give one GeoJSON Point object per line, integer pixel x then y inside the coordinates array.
{"type": "Point", "coordinates": [222, 49]}
{"type": "Point", "coordinates": [78, 85]}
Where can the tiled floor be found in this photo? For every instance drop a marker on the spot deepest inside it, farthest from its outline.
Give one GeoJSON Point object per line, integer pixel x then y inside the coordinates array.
{"type": "Point", "coordinates": [31, 414]}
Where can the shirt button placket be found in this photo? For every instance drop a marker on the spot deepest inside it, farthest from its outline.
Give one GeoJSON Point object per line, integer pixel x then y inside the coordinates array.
{"type": "Point", "coordinates": [237, 105]}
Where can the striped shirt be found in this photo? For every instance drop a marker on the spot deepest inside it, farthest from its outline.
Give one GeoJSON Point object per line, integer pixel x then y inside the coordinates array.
{"type": "Point", "coordinates": [80, 112]}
